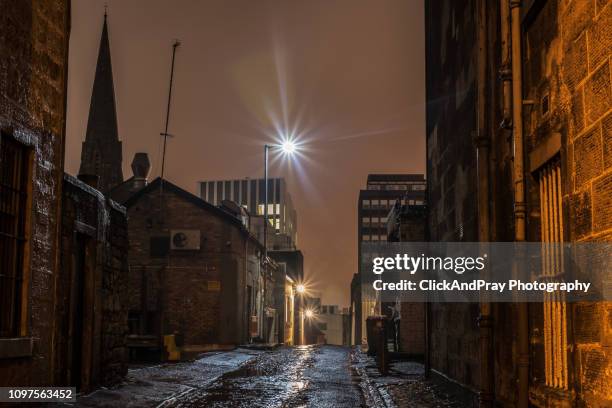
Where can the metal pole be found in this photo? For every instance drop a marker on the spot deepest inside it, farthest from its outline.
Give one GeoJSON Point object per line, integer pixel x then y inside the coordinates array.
{"type": "Point", "coordinates": [265, 231]}
{"type": "Point", "coordinates": [519, 196]}
{"type": "Point", "coordinates": [165, 134]}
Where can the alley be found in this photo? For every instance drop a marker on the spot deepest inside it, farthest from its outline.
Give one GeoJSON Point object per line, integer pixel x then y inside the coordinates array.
{"type": "Point", "coordinates": [303, 376]}
{"type": "Point", "coordinates": [307, 376]}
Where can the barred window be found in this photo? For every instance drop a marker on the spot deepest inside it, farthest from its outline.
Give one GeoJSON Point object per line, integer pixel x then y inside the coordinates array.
{"type": "Point", "coordinates": [555, 309]}
{"type": "Point", "coordinates": [14, 175]}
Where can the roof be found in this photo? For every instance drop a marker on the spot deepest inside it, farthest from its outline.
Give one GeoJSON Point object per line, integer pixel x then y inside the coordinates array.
{"type": "Point", "coordinates": [186, 195]}
{"type": "Point", "coordinates": [395, 177]}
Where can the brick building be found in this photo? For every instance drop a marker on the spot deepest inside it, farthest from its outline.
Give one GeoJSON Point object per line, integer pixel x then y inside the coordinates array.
{"type": "Point", "coordinates": [91, 291]}
{"type": "Point", "coordinates": [33, 66]}
{"type": "Point", "coordinates": [518, 144]}
{"type": "Point", "coordinates": [406, 223]}
{"type": "Point", "coordinates": [195, 269]}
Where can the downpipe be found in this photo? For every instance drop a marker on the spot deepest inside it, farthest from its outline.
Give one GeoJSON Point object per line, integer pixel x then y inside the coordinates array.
{"type": "Point", "coordinates": [519, 196]}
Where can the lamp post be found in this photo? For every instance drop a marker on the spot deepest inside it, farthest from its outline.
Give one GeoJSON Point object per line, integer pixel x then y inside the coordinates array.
{"type": "Point", "coordinates": [287, 147]}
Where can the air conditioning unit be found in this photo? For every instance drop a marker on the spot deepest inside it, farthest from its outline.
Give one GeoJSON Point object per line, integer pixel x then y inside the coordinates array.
{"type": "Point", "coordinates": [184, 240]}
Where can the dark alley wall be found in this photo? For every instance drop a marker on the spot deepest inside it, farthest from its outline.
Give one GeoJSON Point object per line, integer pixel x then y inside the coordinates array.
{"type": "Point", "coordinates": [33, 65]}
{"type": "Point", "coordinates": [566, 104]}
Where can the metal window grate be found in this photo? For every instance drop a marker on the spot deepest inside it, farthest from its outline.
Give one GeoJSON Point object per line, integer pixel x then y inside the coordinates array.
{"type": "Point", "coordinates": [13, 201]}
{"type": "Point", "coordinates": [555, 308]}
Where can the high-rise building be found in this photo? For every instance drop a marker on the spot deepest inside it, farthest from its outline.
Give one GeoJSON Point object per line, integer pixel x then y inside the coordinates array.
{"type": "Point", "coordinates": [375, 202]}
{"type": "Point", "coordinates": [249, 193]}
{"type": "Point", "coordinates": [101, 153]}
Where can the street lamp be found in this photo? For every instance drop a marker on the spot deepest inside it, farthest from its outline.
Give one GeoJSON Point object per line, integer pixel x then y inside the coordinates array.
{"type": "Point", "coordinates": [309, 314]}
{"type": "Point", "coordinates": [301, 289]}
{"type": "Point", "coordinates": [288, 147]}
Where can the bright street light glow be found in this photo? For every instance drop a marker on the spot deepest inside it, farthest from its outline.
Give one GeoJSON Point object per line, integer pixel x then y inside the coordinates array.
{"type": "Point", "coordinates": [288, 147]}
{"type": "Point", "coordinates": [309, 313]}
{"type": "Point", "coordinates": [300, 288]}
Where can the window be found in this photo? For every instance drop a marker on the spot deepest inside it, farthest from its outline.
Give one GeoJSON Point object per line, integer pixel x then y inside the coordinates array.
{"type": "Point", "coordinates": [323, 326]}
{"type": "Point", "coordinates": [273, 209]}
{"type": "Point", "coordinates": [159, 246]}
{"type": "Point", "coordinates": [383, 237]}
{"type": "Point", "coordinates": [375, 203]}
{"type": "Point", "coordinates": [374, 237]}
{"type": "Point", "coordinates": [14, 179]}
{"type": "Point", "coordinates": [365, 238]}
{"type": "Point", "coordinates": [375, 221]}
{"type": "Point", "coordinates": [555, 309]}
{"type": "Point", "coordinates": [365, 203]}
{"type": "Point", "coordinates": [365, 220]}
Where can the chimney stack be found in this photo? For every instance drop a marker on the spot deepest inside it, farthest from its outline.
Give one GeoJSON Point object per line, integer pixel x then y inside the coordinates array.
{"type": "Point", "coordinates": [141, 167]}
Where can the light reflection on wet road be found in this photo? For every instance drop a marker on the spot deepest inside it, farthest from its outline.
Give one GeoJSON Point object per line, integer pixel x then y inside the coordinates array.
{"type": "Point", "coordinates": [304, 376]}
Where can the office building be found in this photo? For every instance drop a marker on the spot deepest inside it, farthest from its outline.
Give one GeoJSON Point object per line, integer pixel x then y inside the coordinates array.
{"type": "Point", "coordinates": [249, 193]}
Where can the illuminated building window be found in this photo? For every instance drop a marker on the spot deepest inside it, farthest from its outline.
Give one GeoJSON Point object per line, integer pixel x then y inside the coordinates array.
{"type": "Point", "coordinates": [273, 209]}
{"type": "Point", "coordinates": [383, 237]}
{"type": "Point", "coordinates": [375, 221]}
{"type": "Point", "coordinates": [365, 238]}
{"type": "Point", "coordinates": [14, 179]}
{"type": "Point", "coordinates": [375, 203]}
{"type": "Point", "coordinates": [365, 220]}
{"type": "Point", "coordinates": [374, 237]}
{"type": "Point", "coordinates": [555, 308]}
{"type": "Point", "coordinates": [366, 203]}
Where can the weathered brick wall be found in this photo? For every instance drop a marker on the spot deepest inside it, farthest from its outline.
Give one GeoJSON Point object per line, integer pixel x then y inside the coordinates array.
{"type": "Point", "coordinates": [114, 298]}
{"type": "Point", "coordinates": [412, 328]}
{"type": "Point", "coordinates": [185, 285]}
{"type": "Point", "coordinates": [568, 62]}
{"type": "Point", "coordinates": [94, 230]}
{"type": "Point", "coordinates": [33, 58]}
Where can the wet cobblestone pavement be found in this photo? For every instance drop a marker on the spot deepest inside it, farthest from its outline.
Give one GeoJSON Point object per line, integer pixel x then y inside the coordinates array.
{"type": "Point", "coordinates": [404, 387]}
{"type": "Point", "coordinates": [308, 376]}
{"type": "Point", "coordinates": [285, 377]}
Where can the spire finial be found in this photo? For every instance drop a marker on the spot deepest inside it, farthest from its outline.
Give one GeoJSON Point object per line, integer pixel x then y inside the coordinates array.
{"type": "Point", "coordinates": [105, 10]}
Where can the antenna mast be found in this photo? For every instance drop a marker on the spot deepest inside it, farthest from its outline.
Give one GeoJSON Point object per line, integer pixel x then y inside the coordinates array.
{"type": "Point", "coordinates": [165, 133]}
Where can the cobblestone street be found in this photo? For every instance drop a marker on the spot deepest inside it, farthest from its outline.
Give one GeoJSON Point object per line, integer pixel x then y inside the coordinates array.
{"type": "Point", "coordinates": [306, 376]}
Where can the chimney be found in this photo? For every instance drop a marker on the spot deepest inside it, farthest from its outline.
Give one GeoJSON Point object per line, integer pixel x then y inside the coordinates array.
{"type": "Point", "coordinates": [141, 167]}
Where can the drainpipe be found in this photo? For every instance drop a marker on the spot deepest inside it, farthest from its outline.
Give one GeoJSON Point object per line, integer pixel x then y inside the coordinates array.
{"type": "Point", "coordinates": [519, 196]}
{"type": "Point", "coordinates": [505, 72]}
{"type": "Point", "coordinates": [482, 143]}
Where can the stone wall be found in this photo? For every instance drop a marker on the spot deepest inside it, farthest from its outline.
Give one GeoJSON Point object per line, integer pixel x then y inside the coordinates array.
{"type": "Point", "coordinates": [33, 65]}
{"type": "Point", "coordinates": [567, 73]}
{"type": "Point", "coordinates": [91, 295]}
{"type": "Point", "coordinates": [451, 173]}
{"type": "Point", "coordinates": [567, 98]}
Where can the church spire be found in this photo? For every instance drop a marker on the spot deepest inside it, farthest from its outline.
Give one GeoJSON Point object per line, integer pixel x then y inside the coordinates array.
{"type": "Point", "coordinates": [101, 153]}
